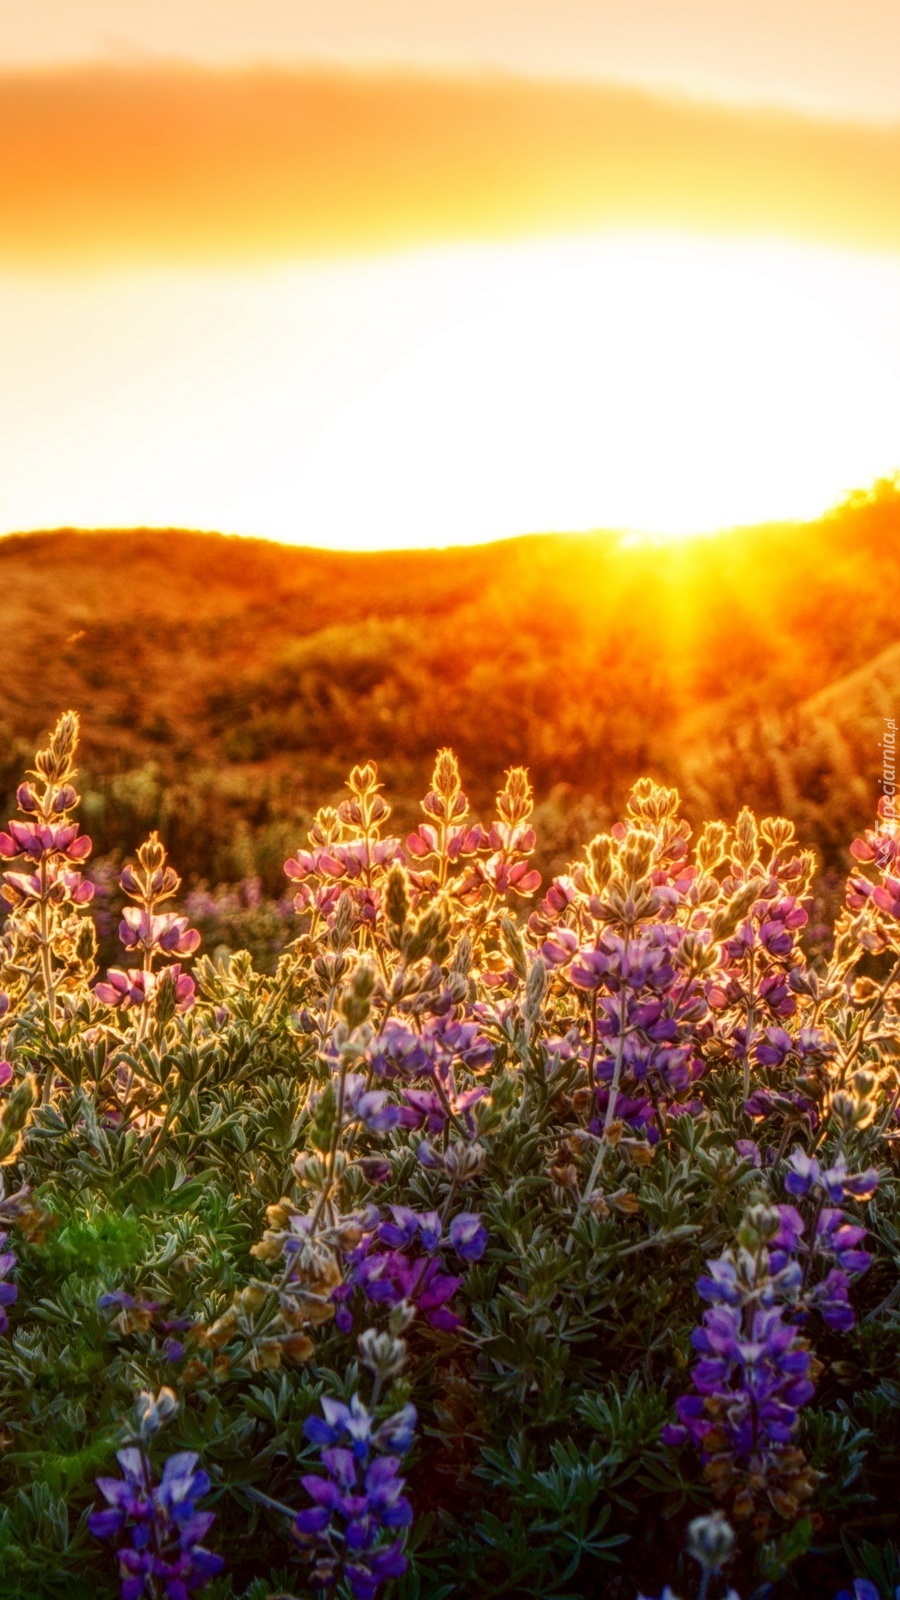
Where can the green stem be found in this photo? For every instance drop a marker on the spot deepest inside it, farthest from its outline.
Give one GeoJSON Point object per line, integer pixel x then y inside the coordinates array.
{"type": "Point", "coordinates": [47, 970]}
{"type": "Point", "coordinates": [751, 1018]}
{"type": "Point", "coordinates": [597, 1168]}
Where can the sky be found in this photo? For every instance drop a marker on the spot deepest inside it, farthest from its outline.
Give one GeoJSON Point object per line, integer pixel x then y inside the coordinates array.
{"type": "Point", "coordinates": [380, 273]}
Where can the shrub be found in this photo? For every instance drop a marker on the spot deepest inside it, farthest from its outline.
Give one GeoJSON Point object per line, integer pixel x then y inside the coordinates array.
{"type": "Point", "coordinates": [386, 1267]}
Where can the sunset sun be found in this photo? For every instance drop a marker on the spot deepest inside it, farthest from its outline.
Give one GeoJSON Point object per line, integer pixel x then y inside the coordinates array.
{"type": "Point", "coordinates": [642, 382]}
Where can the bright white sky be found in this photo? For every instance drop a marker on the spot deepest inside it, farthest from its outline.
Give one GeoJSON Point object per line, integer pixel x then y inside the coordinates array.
{"type": "Point", "coordinates": [840, 55]}
{"type": "Point", "coordinates": [446, 396]}
{"type": "Point", "coordinates": [456, 393]}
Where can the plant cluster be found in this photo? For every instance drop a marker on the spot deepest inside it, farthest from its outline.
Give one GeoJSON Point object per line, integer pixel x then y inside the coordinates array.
{"type": "Point", "coordinates": [501, 1238]}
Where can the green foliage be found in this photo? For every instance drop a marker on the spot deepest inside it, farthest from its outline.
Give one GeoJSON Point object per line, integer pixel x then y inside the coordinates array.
{"type": "Point", "coordinates": [204, 1166]}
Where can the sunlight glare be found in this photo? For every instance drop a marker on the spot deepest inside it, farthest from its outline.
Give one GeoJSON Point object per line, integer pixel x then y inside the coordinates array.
{"type": "Point", "coordinates": [669, 391]}
{"type": "Point", "coordinates": [644, 383]}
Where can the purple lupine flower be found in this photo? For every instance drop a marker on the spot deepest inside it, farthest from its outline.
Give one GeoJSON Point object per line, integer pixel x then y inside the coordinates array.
{"type": "Point", "coordinates": [165, 932]}
{"type": "Point", "coordinates": [832, 1240]}
{"type": "Point", "coordinates": [359, 1504]}
{"type": "Point", "coordinates": [401, 1258]}
{"type": "Point", "coordinates": [368, 1106]}
{"type": "Point", "coordinates": [136, 987]}
{"type": "Point", "coordinates": [754, 1374]}
{"type": "Point", "coordinates": [774, 1048]}
{"type": "Point", "coordinates": [399, 1051]}
{"type": "Point", "coordinates": [37, 840]}
{"type": "Point", "coordinates": [426, 1108]}
{"type": "Point", "coordinates": [863, 1589]}
{"type": "Point", "coordinates": [650, 1018]}
{"type": "Point", "coordinates": [60, 884]}
{"type": "Point", "coordinates": [163, 1529]}
{"type": "Point", "coordinates": [154, 933]}
{"type": "Point", "coordinates": [9, 1293]}
{"type": "Point", "coordinates": [467, 1236]}
{"type": "Point", "coordinates": [887, 896]}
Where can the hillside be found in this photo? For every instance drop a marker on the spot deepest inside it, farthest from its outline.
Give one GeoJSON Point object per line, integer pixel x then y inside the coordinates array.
{"type": "Point", "coordinates": [226, 685]}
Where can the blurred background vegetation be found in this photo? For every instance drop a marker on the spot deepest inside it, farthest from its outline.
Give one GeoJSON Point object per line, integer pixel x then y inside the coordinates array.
{"type": "Point", "coordinates": [226, 686]}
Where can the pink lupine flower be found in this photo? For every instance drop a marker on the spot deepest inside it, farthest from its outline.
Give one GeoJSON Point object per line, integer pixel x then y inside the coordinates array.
{"type": "Point", "coordinates": [59, 885]}
{"type": "Point", "coordinates": [135, 987]}
{"type": "Point", "coordinates": [503, 874]}
{"type": "Point", "coordinates": [877, 846]}
{"type": "Point", "coordinates": [458, 843]}
{"type": "Point", "coordinates": [166, 932]}
{"type": "Point", "coordinates": [518, 836]}
{"type": "Point", "coordinates": [39, 839]}
{"type": "Point", "coordinates": [887, 896]}
{"type": "Point", "coordinates": [321, 863]}
{"type": "Point", "coordinates": [123, 988]}
{"type": "Point", "coordinates": [560, 948]}
{"type": "Point", "coordinates": [559, 896]}
{"type": "Point", "coordinates": [859, 892]}
{"type": "Point", "coordinates": [360, 854]}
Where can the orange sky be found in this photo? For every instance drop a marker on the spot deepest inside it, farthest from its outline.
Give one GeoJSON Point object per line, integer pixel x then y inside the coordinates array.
{"type": "Point", "coordinates": [153, 163]}
{"type": "Point", "coordinates": [381, 272]}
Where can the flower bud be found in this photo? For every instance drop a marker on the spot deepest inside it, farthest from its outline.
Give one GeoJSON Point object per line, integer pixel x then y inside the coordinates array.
{"type": "Point", "coordinates": [383, 1353]}
{"type": "Point", "coordinates": [152, 1411]}
{"type": "Point", "coordinates": [464, 1160]}
{"type": "Point", "coordinates": [710, 1540]}
{"type": "Point", "coordinates": [844, 1107]}
{"type": "Point", "coordinates": [759, 1225]}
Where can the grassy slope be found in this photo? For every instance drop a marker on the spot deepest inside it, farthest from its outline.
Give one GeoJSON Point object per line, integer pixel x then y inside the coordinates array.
{"type": "Point", "coordinates": [262, 672]}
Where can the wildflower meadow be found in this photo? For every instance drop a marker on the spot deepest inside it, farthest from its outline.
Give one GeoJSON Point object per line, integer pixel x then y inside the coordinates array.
{"type": "Point", "coordinates": [510, 1238]}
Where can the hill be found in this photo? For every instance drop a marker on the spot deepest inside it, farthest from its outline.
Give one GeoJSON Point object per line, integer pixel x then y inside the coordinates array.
{"type": "Point", "coordinates": [226, 685]}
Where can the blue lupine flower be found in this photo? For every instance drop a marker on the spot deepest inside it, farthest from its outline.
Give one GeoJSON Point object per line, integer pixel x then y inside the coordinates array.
{"type": "Point", "coordinates": [359, 1503]}
{"type": "Point", "coordinates": [8, 1291]}
{"type": "Point", "coordinates": [163, 1528]}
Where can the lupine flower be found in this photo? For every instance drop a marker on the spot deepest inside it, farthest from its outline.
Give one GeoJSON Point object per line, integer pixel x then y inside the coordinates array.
{"type": "Point", "coordinates": [425, 1108]}
{"type": "Point", "coordinates": [754, 1375]}
{"type": "Point", "coordinates": [166, 933]}
{"type": "Point", "coordinates": [457, 844]}
{"type": "Point", "coordinates": [467, 1236]}
{"type": "Point", "coordinates": [402, 1259]}
{"type": "Point", "coordinates": [157, 934]}
{"type": "Point", "coordinates": [39, 840]}
{"type": "Point", "coordinates": [9, 1293]}
{"type": "Point", "coordinates": [136, 987]}
{"type": "Point", "coordinates": [835, 1183]}
{"type": "Point", "coordinates": [828, 1240]}
{"type": "Point", "coordinates": [370, 1107]}
{"type": "Point", "coordinates": [161, 1529]}
{"type": "Point", "coordinates": [359, 1504]}
{"type": "Point", "coordinates": [886, 896]}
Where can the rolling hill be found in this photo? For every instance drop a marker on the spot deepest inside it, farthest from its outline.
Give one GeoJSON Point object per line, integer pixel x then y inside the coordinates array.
{"type": "Point", "coordinates": [226, 685]}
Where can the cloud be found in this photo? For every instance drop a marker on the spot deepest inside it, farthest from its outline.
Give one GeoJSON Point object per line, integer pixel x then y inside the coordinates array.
{"type": "Point", "coordinates": [105, 166]}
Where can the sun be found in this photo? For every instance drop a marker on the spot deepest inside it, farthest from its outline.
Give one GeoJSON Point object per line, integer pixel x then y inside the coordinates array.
{"type": "Point", "coordinates": [655, 384]}
{"type": "Point", "coordinates": [645, 385]}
